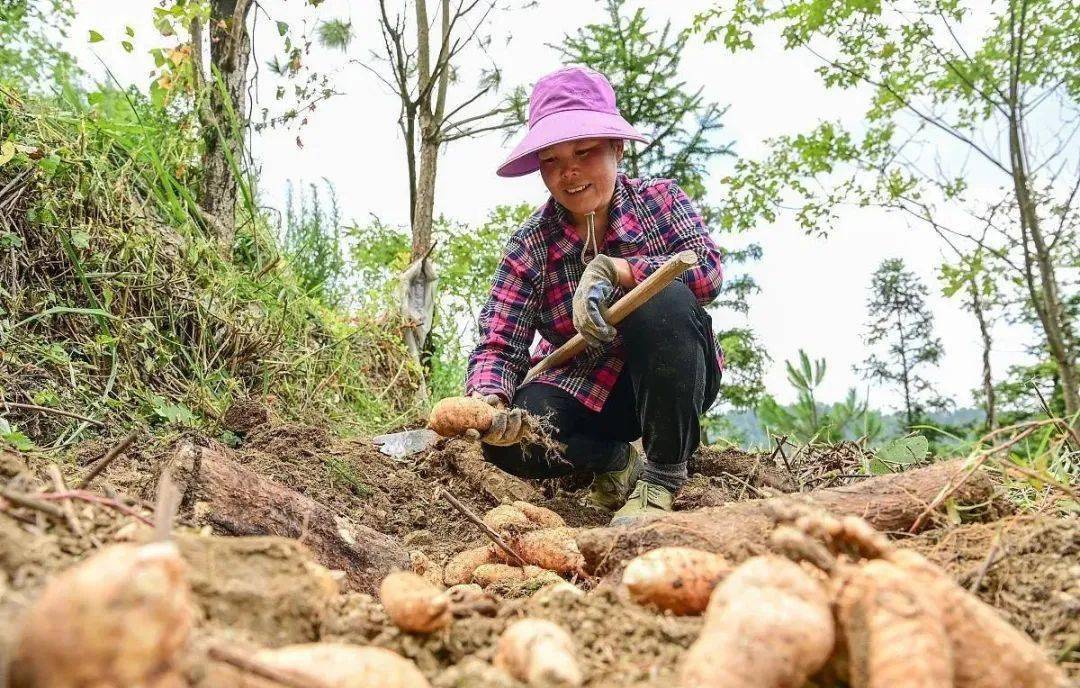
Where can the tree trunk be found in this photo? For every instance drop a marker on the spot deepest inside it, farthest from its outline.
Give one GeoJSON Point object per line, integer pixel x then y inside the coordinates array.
{"type": "Point", "coordinates": [235, 500]}
{"type": "Point", "coordinates": [425, 191]}
{"type": "Point", "coordinates": [224, 118]}
{"type": "Point", "coordinates": [987, 379]}
{"type": "Point", "coordinates": [741, 530]}
{"type": "Point", "coordinates": [1045, 293]}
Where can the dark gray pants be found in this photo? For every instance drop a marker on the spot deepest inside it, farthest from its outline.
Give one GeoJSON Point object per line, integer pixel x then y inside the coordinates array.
{"type": "Point", "coordinates": [670, 378]}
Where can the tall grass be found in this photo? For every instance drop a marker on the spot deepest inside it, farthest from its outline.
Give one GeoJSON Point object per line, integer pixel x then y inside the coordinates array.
{"type": "Point", "coordinates": [116, 303]}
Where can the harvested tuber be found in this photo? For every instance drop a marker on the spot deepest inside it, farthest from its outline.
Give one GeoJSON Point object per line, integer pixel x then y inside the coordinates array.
{"type": "Point", "coordinates": [334, 665]}
{"type": "Point", "coordinates": [120, 618]}
{"type": "Point", "coordinates": [468, 599]}
{"type": "Point", "coordinates": [553, 549]}
{"type": "Point", "coordinates": [461, 566]}
{"type": "Point", "coordinates": [487, 575]}
{"type": "Point", "coordinates": [675, 579]}
{"type": "Point", "coordinates": [987, 651]}
{"type": "Point", "coordinates": [423, 566]}
{"type": "Point", "coordinates": [768, 625]}
{"type": "Point", "coordinates": [538, 652]}
{"type": "Point", "coordinates": [508, 519]}
{"type": "Point", "coordinates": [414, 604]}
{"type": "Point", "coordinates": [540, 515]}
{"type": "Point", "coordinates": [453, 416]}
{"type": "Point", "coordinates": [894, 632]}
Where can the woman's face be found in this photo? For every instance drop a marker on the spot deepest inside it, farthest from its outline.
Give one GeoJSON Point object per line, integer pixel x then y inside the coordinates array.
{"type": "Point", "coordinates": [581, 174]}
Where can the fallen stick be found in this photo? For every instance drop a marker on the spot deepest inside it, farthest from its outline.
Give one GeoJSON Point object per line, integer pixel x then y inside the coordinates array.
{"type": "Point", "coordinates": [56, 412]}
{"type": "Point", "coordinates": [238, 501]}
{"type": "Point", "coordinates": [31, 503]}
{"type": "Point", "coordinates": [97, 499]}
{"type": "Point", "coordinates": [252, 666]}
{"type": "Point", "coordinates": [59, 487]}
{"type": "Point", "coordinates": [109, 457]}
{"type": "Point", "coordinates": [467, 513]}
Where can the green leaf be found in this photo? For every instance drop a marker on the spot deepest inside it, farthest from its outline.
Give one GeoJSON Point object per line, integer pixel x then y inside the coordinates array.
{"type": "Point", "coordinates": [282, 28]}
{"type": "Point", "coordinates": [173, 413]}
{"type": "Point", "coordinates": [879, 467]}
{"type": "Point", "coordinates": [7, 151]}
{"type": "Point", "coordinates": [128, 47]}
{"type": "Point", "coordinates": [129, 31]}
{"type": "Point", "coordinates": [96, 37]}
{"type": "Point", "coordinates": [80, 239]}
{"type": "Point", "coordinates": [904, 450]}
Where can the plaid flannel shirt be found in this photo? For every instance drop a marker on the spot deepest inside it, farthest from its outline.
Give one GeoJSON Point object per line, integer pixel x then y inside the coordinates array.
{"type": "Point", "coordinates": [533, 288]}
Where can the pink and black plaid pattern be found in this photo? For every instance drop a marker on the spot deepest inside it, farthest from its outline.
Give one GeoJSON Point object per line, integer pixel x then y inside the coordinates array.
{"type": "Point", "coordinates": [533, 288]}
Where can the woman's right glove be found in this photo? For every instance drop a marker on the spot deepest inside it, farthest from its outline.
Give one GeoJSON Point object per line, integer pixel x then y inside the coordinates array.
{"type": "Point", "coordinates": [590, 300]}
{"type": "Point", "coordinates": [507, 426]}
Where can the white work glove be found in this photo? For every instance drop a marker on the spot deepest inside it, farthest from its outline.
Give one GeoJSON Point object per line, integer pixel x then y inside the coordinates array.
{"type": "Point", "coordinates": [507, 427]}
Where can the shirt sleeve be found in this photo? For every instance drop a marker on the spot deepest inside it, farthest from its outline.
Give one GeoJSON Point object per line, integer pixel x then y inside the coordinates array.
{"type": "Point", "coordinates": [683, 229]}
{"type": "Point", "coordinates": [507, 325]}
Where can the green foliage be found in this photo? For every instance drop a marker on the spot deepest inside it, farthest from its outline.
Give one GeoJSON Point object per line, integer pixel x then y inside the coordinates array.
{"type": "Point", "coordinates": [116, 303]}
{"type": "Point", "coordinates": [10, 436]}
{"type": "Point", "coordinates": [31, 32]}
{"type": "Point", "coordinates": [808, 420]}
{"type": "Point", "coordinates": [903, 323]}
{"type": "Point", "coordinates": [744, 368]}
{"type": "Point", "coordinates": [311, 244]}
{"type": "Point", "coordinates": [948, 93]}
{"type": "Point", "coordinates": [334, 33]}
{"type": "Point", "coordinates": [898, 455]}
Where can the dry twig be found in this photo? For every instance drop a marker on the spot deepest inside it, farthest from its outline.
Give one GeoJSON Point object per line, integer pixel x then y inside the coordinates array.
{"type": "Point", "coordinates": [59, 486]}
{"type": "Point", "coordinates": [96, 499]}
{"type": "Point", "coordinates": [467, 513]}
{"type": "Point", "coordinates": [109, 457]}
{"type": "Point", "coordinates": [253, 666]}
{"type": "Point", "coordinates": [56, 412]}
{"type": "Point", "coordinates": [31, 503]}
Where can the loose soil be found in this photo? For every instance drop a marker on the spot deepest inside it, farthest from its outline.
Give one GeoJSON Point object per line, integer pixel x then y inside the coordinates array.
{"type": "Point", "coordinates": [268, 591]}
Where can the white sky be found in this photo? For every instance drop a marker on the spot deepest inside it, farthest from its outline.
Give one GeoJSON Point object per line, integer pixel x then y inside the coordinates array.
{"type": "Point", "coordinates": [814, 291]}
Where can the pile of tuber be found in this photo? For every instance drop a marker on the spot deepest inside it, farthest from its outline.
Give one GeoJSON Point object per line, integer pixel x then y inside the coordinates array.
{"type": "Point", "coordinates": [879, 585]}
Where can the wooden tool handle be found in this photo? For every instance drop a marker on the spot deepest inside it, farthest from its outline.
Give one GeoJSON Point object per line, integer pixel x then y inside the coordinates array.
{"type": "Point", "coordinates": [642, 292]}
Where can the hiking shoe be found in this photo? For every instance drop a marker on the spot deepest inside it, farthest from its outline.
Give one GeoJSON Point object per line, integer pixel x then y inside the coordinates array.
{"type": "Point", "coordinates": [609, 490]}
{"type": "Point", "coordinates": [646, 501]}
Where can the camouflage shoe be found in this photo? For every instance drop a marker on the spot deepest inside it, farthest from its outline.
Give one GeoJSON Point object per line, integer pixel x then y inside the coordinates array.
{"type": "Point", "coordinates": [646, 501]}
{"type": "Point", "coordinates": [609, 490]}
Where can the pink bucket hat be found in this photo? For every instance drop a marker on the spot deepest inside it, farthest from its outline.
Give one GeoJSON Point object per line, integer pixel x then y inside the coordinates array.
{"type": "Point", "coordinates": [572, 103]}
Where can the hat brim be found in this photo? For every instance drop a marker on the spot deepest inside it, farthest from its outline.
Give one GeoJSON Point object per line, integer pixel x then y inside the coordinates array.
{"type": "Point", "coordinates": [559, 127]}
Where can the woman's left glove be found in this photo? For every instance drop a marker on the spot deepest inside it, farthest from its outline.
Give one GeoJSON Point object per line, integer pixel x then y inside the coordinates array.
{"type": "Point", "coordinates": [590, 300]}
{"type": "Point", "coordinates": [507, 426]}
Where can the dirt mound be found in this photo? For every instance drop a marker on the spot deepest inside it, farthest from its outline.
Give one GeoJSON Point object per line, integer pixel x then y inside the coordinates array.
{"type": "Point", "coordinates": [269, 591]}
{"type": "Point", "coordinates": [1027, 567]}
